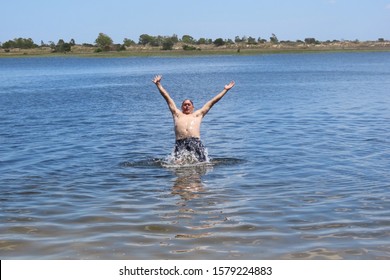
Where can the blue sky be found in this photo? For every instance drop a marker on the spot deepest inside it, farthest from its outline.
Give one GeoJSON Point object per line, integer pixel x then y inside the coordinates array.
{"type": "Point", "coordinates": [83, 20]}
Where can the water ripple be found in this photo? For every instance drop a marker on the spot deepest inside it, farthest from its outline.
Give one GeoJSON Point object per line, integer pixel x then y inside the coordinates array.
{"type": "Point", "coordinates": [298, 170]}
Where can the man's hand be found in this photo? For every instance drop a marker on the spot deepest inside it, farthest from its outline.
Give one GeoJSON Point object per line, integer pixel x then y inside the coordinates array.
{"type": "Point", "coordinates": [230, 85]}
{"type": "Point", "coordinates": [157, 79]}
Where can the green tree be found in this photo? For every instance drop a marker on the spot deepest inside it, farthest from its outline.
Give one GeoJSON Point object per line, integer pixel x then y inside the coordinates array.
{"type": "Point", "coordinates": [202, 41]}
{"type": "Point", "coordinates": [237, 39]}
{"type": "Point", "coordinates": [274, 39]}
{"type": "Point", "coordinates": [167, 44]}
{"type": "Point", "coordinates": [8, 45]}
{"type": "Point", "coordinates": [52, 45]}
{"type": "Point", "coordinates": [157, 41]}
{"type": "Point", "coordinates": [174, 38]}
{"type": "Point", "coordinates": [145, 39]}
{"type": "Point", "coordinates": [21, 43]}
{"type": "Point", "coordinates": [104, 41]}
{"type": "Point", "coordinates": [128, 42]}
{"type": "Point", "coordinates": [62, 46]}
{"type": "Point", "coordinates": [310, 40]}
{"type": "Point", "coordinates": [187, 39]}
{"type": "Point", "coordinates": [219, 42]}
{"type": "Point", "coordinates": [251, 40]}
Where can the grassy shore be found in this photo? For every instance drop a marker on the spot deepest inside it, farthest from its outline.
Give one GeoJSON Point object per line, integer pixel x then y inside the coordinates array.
{"type": "Point", "coordinates": [139, 51]}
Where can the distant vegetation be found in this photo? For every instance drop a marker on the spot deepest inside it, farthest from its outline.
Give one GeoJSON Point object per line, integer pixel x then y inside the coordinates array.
{"type": "Point", "coordinates": [104, 43]}
{"type": "Point", "coordinates": [19, 43]}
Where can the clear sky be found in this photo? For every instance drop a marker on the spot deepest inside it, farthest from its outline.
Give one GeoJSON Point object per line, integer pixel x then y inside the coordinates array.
{"type": "Point", "coordinates": [83, 20]}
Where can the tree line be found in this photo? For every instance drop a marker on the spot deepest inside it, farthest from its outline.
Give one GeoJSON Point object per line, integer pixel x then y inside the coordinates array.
{"type": "Point", "coordinates": [105, 43]}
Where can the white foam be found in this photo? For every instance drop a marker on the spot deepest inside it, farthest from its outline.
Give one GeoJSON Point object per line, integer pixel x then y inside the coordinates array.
{"type": "Point", "coordinates": [185, 158]}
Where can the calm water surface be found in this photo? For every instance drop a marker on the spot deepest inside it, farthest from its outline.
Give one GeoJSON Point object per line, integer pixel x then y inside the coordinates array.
{"type": "Point", "coordinates": [299, 147]}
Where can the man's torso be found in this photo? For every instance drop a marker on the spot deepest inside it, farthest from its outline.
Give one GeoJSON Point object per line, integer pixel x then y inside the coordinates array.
{"type": "Point", "coordinates": [187, 125]}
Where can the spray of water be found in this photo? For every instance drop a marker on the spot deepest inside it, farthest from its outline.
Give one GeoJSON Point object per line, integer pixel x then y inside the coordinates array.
{"type": "Point", "coordinates": [185, 158]}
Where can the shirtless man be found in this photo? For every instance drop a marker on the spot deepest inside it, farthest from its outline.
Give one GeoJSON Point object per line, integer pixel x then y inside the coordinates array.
{"type": "Point", "coordinates": [187, 121]}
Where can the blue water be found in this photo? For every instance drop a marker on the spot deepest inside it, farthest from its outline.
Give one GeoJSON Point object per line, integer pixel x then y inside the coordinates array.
{"type": "Point", "coordinates": [299, 169]}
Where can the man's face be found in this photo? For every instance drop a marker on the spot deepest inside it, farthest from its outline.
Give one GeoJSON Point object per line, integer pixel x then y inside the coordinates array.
{"type": "Point", "coordinates": [187, 107]}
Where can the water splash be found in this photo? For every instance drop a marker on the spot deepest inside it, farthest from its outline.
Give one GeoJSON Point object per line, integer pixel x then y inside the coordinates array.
{"type": "Point", "coordinates": [186, 158]}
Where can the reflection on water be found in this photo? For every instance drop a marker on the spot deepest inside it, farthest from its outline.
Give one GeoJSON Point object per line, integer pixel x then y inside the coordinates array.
{"type": "Point", "coordinates": [199, 214]}
{"type": "Point", "coordinates": [193, 210]}
{"type": "Point", "coordinates": [188, 183]}
{"type": "Point", "coordinates": [188, 186]}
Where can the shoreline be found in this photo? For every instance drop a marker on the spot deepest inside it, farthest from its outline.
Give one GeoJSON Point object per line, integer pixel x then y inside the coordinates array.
{"type": "Point", "coordinates": [139, 51]}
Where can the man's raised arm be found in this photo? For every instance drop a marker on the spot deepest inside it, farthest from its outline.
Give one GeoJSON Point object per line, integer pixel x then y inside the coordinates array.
{"type": "Point", "coordinates": [164, 93]}
{"type": "Point", "coordinates": [204, 110]}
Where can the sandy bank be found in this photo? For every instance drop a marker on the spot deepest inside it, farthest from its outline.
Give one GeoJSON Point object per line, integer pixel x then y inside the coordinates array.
{"type": "Point", "coordinates": [177, 50]}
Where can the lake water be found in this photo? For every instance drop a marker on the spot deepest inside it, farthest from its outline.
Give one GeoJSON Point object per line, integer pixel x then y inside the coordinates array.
{"type": "Point", "coordinates": [300, 158]}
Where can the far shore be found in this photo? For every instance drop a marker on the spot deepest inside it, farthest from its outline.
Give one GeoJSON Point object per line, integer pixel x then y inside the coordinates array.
{"type": "Point", "coordinates": [198, 50]}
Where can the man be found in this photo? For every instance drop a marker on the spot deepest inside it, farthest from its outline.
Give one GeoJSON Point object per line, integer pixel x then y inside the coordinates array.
{"type": "Point", "coordinates": [187, 122]}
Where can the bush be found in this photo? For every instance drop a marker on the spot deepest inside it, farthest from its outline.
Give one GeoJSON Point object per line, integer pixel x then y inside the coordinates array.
{"type": "Point", "coordinates": [167, 44]}
{"type": "Point", "coordinates": [219, 42]}
{"type": "Point", "coordinates": [62, 46]}
{"type": "Point", "coordinates": [189, 48]}
{"type": "Point", "coordinates": [310, 40]}
{"type": "Point", "coordinates": [21, 43]}
{"type": "Point", "coordinates": [103, 41]}
{"type": "Point", "coordinates": [128, 42]}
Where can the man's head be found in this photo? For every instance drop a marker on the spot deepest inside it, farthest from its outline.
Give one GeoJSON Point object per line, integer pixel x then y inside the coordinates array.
{"type": "Point", "coordinates": [187, 107]}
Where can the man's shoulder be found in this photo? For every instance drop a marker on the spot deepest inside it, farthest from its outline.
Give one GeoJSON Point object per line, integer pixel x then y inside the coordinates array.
{"type": "Point", "coordinates": [176, 113]}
